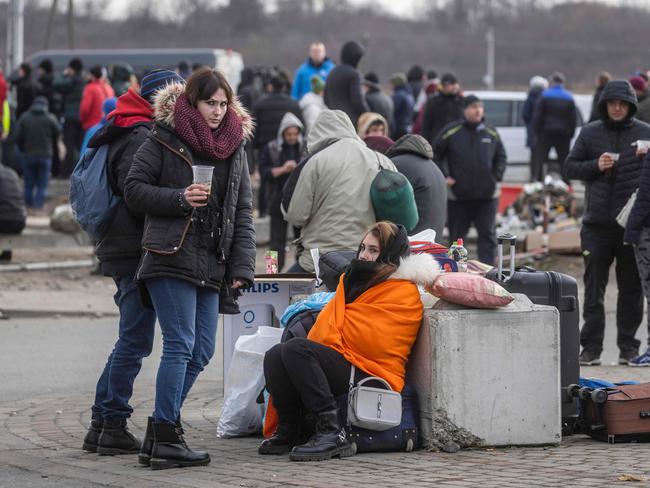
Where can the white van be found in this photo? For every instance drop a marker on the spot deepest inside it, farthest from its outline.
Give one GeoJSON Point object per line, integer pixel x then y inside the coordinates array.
{"type": "Point", "coordinates": [503, 110]}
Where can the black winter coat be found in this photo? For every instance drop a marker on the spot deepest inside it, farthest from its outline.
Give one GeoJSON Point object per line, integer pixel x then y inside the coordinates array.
{"type": "Point", "coordinates": [555, 113]}
{"type": "Point", "coordinates": [439, 111]}
{"type": "Point", "coordinates": [200, 246]}
{"type": "Point", "coordinates": [268, 112]}
{"type": "Point", "coordinates": [474, 156]}
{"type": "Point", "coordinates": [640, 214]}
{"type": "Point", "coordinates": [413, 157]}
{"type": "Point", "coordinates": [607, 193]}
{"type": "Point", "coordinates": [343, 85]}
{"type": "Point", "coordinates": [26, 91]}
{"type": "Point", "coordinates": [12, 203]}
{"type": "Point", "coordinates": [120, 249]}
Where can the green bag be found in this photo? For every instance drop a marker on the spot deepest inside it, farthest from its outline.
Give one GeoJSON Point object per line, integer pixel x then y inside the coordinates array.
{"type": "Point", "coordinates": [393, 199]}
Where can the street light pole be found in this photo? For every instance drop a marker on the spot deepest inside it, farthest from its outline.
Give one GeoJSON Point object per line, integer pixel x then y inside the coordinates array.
{"type": "Point", "coordinates": [15, 34]}
{"type": "Point", "coordinates": [489, 73]}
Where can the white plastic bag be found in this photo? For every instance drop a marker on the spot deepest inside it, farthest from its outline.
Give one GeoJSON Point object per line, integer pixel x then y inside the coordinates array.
{"type": "Point", "coordinates": [427, 235]}
{"type": "Point", "coordinates": [241, 414]}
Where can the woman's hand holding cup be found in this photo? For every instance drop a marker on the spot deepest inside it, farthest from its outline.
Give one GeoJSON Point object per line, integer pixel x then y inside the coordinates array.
{"type": "Point", "coordinates": [196, 195]}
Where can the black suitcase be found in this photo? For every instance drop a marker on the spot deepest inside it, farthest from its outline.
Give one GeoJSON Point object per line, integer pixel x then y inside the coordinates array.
{"type": "Point", "coordinates": [561, 291]}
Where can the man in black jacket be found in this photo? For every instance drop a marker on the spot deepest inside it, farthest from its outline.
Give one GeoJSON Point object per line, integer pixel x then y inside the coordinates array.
{"type": "Point", "coordinates": [13, 213]}
{"type": "Point", "coordinates": [603, 157]}
{"type": "Point", "coordinates": [268, 112]}
{"type": "Point", "coordinates": [554, 122]}
{"type": "Point", "coordinates": [119, 253]}
{"type": "Point", "coordinates": [343, 85]}
{"type": "Point", "coordinates": [472, 157]}
{"type": "Point", "coordinates": [442, 108]}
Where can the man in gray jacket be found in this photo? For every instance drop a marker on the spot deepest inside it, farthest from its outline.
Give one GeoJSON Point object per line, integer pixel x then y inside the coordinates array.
{"type": "Point", "coordinates": [328, 195]}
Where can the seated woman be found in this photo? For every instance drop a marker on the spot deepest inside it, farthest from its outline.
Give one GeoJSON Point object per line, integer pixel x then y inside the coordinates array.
{"type": "Point", "coordinates": [371, 323]}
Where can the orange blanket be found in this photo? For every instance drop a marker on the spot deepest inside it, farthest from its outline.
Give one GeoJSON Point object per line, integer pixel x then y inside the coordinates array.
{"type": "Point", "coordinates": [376, 331]}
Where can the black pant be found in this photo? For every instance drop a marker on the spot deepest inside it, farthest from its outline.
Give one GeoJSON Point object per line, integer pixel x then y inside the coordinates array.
{"type": "Point", "coordinates": [601, 244]}
{"type": "Point", "coordinates": [278, 241]}
{"type": "Point", "coordinates": [73, 136]}
{"type": "Point", "coordinates": [483, 214]}
{"type": "Point", "coordinates": [303, 374]}
{"type": "Point", "coordinates": [543, 145]}
{"type": "Point", "coordinates": [11, 227]}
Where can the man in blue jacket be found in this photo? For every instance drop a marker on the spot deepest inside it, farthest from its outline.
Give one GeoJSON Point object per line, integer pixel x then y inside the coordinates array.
{"type": "Point", "coordinates": [317, 64]}
{"type": "Point", "coordinates": [554, 122]}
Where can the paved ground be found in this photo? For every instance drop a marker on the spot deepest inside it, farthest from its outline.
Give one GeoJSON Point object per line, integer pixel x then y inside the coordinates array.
{"type": "Point", "coordinates": [50, 359]}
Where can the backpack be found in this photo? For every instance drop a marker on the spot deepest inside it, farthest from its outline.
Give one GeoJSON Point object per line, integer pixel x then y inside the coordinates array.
{"type": "Point", "coordinates": [92, 197]}
{"type": "Point", "coordinates": [300, 325]}
{"type": "Point", "coordinates": [393, 198]}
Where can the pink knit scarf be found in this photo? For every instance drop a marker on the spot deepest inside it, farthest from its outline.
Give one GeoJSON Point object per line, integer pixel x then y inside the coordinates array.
{"type": "Point", "coordinates": [194, 130]}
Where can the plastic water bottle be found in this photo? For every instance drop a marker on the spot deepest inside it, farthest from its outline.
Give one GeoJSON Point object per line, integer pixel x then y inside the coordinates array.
{"type": "Point", "coordinates": [462, 256]}
{"type": "Point", "coordinates": [458, 253]}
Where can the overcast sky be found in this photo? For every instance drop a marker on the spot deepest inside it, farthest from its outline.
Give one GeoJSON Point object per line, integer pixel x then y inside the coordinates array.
{"type": "Point", "coordinates": [402, 8]}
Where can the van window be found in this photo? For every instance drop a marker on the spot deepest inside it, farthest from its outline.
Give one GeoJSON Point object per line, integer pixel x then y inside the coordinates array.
{"type": "Point", "coordinates": [498, 113]}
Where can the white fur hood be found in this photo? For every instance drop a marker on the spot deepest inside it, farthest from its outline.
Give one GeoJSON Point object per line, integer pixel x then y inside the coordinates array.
{"type": "Point", "coordinates": [421, 269]}
{"type": "Point", "coordinates": [164, 102]}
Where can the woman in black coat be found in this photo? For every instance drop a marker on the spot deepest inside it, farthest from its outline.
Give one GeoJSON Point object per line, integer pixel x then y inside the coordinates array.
{"type": "Point", "coordinates": [198, 241]}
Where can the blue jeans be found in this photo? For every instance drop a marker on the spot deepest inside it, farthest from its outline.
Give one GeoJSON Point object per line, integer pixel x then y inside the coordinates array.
{"type": "Point", "coordinates": [135, 341]}
{"type": "Point", "coordinates": [36, 173]}
{"type": "Point", "coordinates": [188, 317]}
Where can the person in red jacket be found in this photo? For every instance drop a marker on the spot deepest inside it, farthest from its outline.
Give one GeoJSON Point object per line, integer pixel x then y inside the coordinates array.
{"type": "Point", "coordinates": [96, 91]}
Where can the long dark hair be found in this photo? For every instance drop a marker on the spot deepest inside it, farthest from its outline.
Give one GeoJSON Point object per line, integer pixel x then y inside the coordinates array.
{"type": "Point", "coordinates": [360, 275]}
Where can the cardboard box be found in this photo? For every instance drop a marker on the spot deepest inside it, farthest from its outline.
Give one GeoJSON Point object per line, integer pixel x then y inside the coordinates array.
{"type": "Point", "coordinates": [566, 241]}
{"type": "Point", "coordinates": [535, 240]}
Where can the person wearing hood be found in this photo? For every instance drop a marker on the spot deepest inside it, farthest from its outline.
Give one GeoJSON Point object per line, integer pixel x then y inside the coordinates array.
{"type": "Point", "coordinates": [119, 252]}
{"type": "Point", "coordinates": [537, 85]}
{"type": "Point", "coordinates": [198, 239]}
{"type": "Point", "coordinates": [381, 144]}
{"type": "Point", "coordinates": [605, 160]}
{"type": "Point", "coordinates": [372, 124]}
{"type": "Point", "coordinates": [37, 132]}
{"type": "Point", "coordinates": [403, 103]}
{"type": "Point", "coordinates": [317, 64]}
{"type": "Point", "coordinates": [277, 160]}
{"type": "Point", "coordinates": [554, 122]}
{"type": "Point", "coordinates": [413, 157]}
{"type": "Point", "coordinates": [122, 78]}
{"type": "Point", "coordinates": [641, 89]}
{"type": "Point", "coordinates": [268, 112]}
{"type": "Point", "coordinates": [376, 99]}
{"type": "Point", "coordinates": [472, 157]}
{"type": "Point", "coordinates": [107, 107]}
{"type": "Point", "coordinates": [312, 103]}
{"type": "Point", "coordinates": [343, 87]}
{"type": "Point", "coordinates": [328, 195]}
{"type": "Point", "coordinates": [442, 108]}
{"type": "Point", "coordinates": [370, 324]}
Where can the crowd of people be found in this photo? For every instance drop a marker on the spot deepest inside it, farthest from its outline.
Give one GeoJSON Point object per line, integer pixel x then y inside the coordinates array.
{"type": "Point", "coordinates": [180, 251]}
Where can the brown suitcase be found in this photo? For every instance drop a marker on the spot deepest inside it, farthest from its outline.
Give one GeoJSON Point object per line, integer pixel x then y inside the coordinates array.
{"type": "Point", "coordinates": [617, 414]}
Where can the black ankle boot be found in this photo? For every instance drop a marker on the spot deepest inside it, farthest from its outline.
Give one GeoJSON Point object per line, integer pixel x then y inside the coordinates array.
{"type": "Point", "coordinates": [285, 437]}
{"type": "Point", "coordinates": [171, 451]}
{"type": "Point", "coordinates": [116, 439]}
{"type": "Point", "coordinates": [92, 436]}
{"type": "Point", "coordinates": [147, 444]}
{"type": "Point", "coordinates": [329, 441]}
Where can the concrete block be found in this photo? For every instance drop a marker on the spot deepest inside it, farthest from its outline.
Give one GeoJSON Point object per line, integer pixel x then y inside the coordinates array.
{"type": "Point", "coordinates": [495, 373]}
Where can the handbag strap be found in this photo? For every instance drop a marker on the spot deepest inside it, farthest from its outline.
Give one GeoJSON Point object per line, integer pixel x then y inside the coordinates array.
{"type": "Point", "coordinates": [352, 368]}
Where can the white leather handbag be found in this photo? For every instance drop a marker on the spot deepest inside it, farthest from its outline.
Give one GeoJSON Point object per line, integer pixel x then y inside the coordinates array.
{"type": "Point", "coordinates": [373, 408]}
